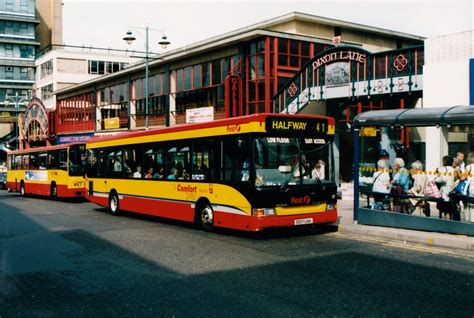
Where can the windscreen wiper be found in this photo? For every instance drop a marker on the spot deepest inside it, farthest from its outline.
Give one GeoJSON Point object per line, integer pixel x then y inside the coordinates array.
{"type": "Point", "coordinates": [292, 174]}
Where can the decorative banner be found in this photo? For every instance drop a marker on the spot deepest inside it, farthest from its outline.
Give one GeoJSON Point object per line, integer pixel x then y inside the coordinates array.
{"type": "Point", "coordinates": [292, 90]}
{"type": "Point", "coordinates": [401, 84]}
{"type": "Point", "coordinates": [199, 115]}
{"type": "Point", "coordinates": [111, 123]}
{"type": "Point", "coordinates": [336, 41]}
{"type": "Point", "coordinates": [400, 62]}
{"type": "Point", "coordinates": [233, 96]}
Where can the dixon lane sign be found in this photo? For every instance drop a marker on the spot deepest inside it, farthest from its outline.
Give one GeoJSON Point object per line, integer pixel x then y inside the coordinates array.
{"type": "Point", "coordinates": [336, 56]}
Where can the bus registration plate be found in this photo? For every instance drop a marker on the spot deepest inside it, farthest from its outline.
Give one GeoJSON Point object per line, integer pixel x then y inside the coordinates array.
{"type": "Point", "coordinates": [304, 221]}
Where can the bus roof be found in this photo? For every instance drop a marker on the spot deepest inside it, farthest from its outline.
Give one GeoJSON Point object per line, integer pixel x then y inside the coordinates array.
{"type": "Point", "coordinates": [40, 149]}
{"type": "Point", "coordinates": [255, 118]}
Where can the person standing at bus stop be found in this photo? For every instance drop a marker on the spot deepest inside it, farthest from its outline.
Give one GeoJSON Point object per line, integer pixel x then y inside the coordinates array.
{"type": "Point", "coordinates": [460, 161]}
{"type": "Point", "coordinates": [381, 186]}
{"type": "Point", "coordinates": [445, 179]}
{"type": "Point", "coordinates": [383, 155]}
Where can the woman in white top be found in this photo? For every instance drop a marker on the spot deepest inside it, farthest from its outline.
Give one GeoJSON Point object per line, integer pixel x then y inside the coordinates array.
{"type": "Point", "coordinates": [381, 178]}
{"type": "Point", "coordinates": [381, 183]}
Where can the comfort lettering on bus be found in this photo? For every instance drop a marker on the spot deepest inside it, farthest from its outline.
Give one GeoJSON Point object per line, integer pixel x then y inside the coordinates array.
{"type": "Point", "coordinates": [289, 125]}
{"type": "Point", "coordinates": [187, 188]}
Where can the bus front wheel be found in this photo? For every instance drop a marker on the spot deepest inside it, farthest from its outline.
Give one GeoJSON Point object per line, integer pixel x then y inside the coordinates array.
{"type": "Point", "coordinates": [205, 217]}
{"type": "Point", "coordinates": [114, 203]}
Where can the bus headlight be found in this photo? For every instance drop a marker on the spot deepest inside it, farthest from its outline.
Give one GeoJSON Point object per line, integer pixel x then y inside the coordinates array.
{"type": "Point", "coordinates": [263, 212]}
{"type": "Point", "coordinates": [331, 206]}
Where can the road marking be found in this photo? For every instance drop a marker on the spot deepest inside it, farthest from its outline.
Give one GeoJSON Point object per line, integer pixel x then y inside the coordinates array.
{"type": "Point", "coordinates": [405, 245]}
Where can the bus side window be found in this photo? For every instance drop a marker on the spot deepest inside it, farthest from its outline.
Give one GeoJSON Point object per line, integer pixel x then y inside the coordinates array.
{"type": "Point", "coordinates": [63, 159]}
{"type": "Point", "coordinates": [25, 162]}
{"type": "Point", "coordinates": [115, 164]}
{"type": "Point", "coordinates": [102, 163]}
{"type": "Point", "coordinates": [53, 159]}
{"type": "Point", "coordinates": [205, 163]}
{"type": "Point", "coordinates": [41, 160]}
{"type": "Point", "coordinates": [153, 161]}
{"type": "Point", "coordinates": [178, 161]}
{"type": "Point", "coordinates": [11, 163]}
{"type": "Point", "coordinates": [131, 161]}
{"type": "Point", "coordinates": [18, 164]}
{"type": "Point", "coordinates": [236, 159]}
{"type": "Point", "coordinates": [33, 162]}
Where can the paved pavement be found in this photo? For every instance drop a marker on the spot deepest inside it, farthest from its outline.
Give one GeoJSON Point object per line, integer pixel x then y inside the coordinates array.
{"type": "Point", "coordinates": [68, 259]}
{"type": "Point", "coordinates": [346, 225]}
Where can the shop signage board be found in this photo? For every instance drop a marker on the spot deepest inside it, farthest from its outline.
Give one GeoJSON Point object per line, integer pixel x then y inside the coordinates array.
{"type": "Point", "coordinates": [199, 115]}
{"type": "Point", "coordinates": [111, 123]}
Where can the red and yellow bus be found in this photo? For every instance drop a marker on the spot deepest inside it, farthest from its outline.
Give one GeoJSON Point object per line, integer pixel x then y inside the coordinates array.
{"type": "Point", "coordinates": [246, 173]}
{"type": "Point", "coordinates": [56, 171]}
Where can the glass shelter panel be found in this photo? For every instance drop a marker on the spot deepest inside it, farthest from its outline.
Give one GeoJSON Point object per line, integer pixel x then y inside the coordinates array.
{"type": "Point", "coordinates": [398, 174]}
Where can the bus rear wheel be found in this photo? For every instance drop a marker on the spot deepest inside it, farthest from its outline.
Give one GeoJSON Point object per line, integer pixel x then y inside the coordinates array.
{"type": "Point", "coordinates": [114, 203]}
{"type": "Point", "coordinates": [205, 217]}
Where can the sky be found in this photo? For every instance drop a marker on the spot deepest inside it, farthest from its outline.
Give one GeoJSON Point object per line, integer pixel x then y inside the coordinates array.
{"type": "Point", "coordinates": [104, 23]}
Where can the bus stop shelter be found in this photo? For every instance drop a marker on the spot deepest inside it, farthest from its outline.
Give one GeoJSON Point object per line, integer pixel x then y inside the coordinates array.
{"type": "Point", "coordinates": [433, 133]}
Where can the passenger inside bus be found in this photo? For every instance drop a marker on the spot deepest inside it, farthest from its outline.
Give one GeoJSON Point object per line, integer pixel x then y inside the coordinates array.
{"type": "Point", "coordinates": [149, 174]}
{"type": "Point", "coordinates": [159, 174]}
{"type": "Point", "coordinates": [184, 175]}
{"type": "Point", "coordinates": [173, 175]}
{"type": "Point", "coordinates": [138, 173]}
{"type": "Point", "coordinates": [117, 164]}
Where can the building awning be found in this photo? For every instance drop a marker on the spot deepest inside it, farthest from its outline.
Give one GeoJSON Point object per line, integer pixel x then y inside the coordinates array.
{"type": "Point", "coordinates": [439, 116]}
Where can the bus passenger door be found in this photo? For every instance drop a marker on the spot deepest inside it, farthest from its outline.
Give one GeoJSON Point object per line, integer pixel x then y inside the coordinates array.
{"type": "Point", "coordinates": [97, 182]}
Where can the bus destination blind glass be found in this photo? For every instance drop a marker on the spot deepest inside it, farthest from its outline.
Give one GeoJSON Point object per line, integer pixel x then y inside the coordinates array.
{"type": "Point", "coordinates": [300, 126]}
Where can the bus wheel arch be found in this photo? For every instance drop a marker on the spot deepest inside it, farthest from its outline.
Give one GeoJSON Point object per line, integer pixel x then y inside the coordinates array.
{"type": "Point", "coordinates": [53, 192]}
{"type": "Point", "coordinates": [22, 188]}
{"type": "Point", "coordinates": [204, 215]}
{"type": "Point", "coordinates": [114, 202]}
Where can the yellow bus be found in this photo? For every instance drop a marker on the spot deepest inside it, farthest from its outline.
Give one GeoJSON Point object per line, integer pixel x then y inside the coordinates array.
{"type": "Point", "coordinates": [246, 173]}
{"type": "Point", "coordinates": [56, 171]}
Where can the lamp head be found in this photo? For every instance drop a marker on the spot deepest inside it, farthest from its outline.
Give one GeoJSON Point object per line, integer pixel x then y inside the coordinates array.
{"type": "Point", "coordinates": [129, 38]}
{"type": "Point", "coordinates": [164, 42]}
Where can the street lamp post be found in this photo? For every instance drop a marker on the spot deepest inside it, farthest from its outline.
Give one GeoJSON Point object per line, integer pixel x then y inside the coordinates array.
{"type": "Point", "coordinates": [129, 38]}
{"type": "Point", "coordinates": [16, 100]}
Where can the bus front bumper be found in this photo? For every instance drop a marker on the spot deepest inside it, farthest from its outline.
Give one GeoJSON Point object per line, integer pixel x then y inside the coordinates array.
{"type": "Point", "coordinates": [260, 223]}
